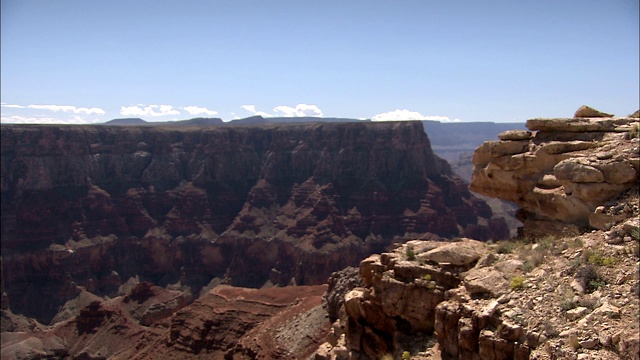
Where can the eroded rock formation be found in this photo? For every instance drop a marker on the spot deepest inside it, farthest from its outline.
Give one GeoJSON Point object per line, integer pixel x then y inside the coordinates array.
{"type": "Point", "coordinates": [561, 171]}
{"type": "Point", "coordinates": [94, 208]}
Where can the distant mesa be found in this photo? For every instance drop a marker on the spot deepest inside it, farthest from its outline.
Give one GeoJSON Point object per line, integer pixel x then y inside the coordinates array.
{"type": "Point", "coordinates": [252, 120]}
{"type": "Point", "coordinates": [126, 121]}
{"type": "Point", "coordinates": [190, 122]}
{"type": "Point", "coordinates": [197, 122]}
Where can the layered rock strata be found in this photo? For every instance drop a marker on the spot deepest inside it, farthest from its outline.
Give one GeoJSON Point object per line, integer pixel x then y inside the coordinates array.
{"type": "Point", "coordinates": [227, 322]}
{"type": "Point", "coordinates": [89, 208]}
{"type": "Point", "coordinates": [424, 288]}
{"type": "Point", "coordinates": [561, 171]}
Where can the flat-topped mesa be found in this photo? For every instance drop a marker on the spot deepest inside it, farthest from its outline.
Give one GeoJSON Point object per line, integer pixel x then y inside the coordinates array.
{"type": "Point", "coordinates": [561, 171]}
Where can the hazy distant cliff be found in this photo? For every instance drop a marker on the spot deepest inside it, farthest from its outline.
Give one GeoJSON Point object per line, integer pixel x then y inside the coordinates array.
{"type": "Point", "coordinates": [94, 206]}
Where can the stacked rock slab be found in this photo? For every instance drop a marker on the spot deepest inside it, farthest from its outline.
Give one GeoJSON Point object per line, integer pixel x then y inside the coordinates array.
{"type": "Point", "coordinates": [561, 170]}
{"type": "Point", "coordinates": [445, 289]}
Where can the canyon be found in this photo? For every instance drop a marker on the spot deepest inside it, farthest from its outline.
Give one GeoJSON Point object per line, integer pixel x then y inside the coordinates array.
{"type": "Point", "coordinates": [239, 242]}
{"type": "Point", "coordinates": [91, 212]}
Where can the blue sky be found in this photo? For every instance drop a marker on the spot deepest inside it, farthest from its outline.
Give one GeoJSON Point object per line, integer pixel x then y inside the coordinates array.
{"type": "Point", "coordinates": [92, 61]}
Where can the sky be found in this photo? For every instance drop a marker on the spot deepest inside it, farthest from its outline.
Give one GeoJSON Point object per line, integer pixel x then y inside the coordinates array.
{"type": "Point", "coordinates": [84, 61]}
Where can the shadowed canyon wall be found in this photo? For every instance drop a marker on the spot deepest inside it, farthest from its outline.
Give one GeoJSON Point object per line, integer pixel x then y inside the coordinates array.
{"type": "Point", "coordinates": [96, 207]}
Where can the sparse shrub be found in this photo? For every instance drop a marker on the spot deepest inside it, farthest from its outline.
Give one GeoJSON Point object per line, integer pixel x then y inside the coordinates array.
{"type": "Point", "coordinates": [635, 233]}
{"type": "Point", "coordinates": [506, 247]}
{"type": "Point", "coordinates": [597, 258]}
{"type": "Point", "coordinates": [386, 357]}
{"type": "Point", "coordinates": [589, 278]}
{"type": "Point", "coordinates": [517, 283]}
{"type": "Point", "coordinates": [568, 304]}
{"type": "Point", "coordinates": [427, 277]}
{"type": "Point", "coordinates": [531, 258]}
{"type": "Point", "coordinates": [431, 285]}
{"type": "Point", "coordinates": [406, 355]}
{"type": "Point", "coordinates": [545, 243]}
{"type": "Point", "coordinates": [634, 131]}
{"type": "Point", "coordinates": [576, 243]}
{"type": "Point", "coordinates": [411, 255]}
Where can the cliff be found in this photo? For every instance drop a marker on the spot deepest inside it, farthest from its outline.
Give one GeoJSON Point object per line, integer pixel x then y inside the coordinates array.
{"type": "Point", "coordinates": [94, 208]}
{"type": "Point", "coordinates": [568, 289]}
{"type": "Point", "coordinates": [561, 171]}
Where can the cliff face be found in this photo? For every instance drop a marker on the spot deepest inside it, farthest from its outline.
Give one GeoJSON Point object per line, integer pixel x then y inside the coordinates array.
{"type": "Point", "coordinates": [92, 207]}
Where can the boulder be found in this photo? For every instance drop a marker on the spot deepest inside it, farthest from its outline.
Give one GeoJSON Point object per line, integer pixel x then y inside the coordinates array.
{"type": "Point", "coordinates": [486, 280]}
{"type": "Point", "coordinates": [575, 171]}
{"type": "Point", "coordinates": [589, 112]}
{"type": "Point", "coordinates": [515, 135]}
{"type": "Point", "coordinates": [462, 253]}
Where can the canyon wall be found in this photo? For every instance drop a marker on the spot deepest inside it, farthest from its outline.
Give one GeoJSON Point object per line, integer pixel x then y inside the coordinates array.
{"type": "Point", "coordinates": [99, 208]}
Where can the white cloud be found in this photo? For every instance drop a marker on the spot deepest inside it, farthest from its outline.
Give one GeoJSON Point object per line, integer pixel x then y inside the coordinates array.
{"type": "Point", "coordinates": [68, 108]}
{"type": "Point", "coordinates": [45, 120]}
{"type": "Point", "coordinates": [398, 115]}
{"type": "Point", "coordinates": [150, 110]}
{"type": "Point", "coordinates": [196, 110]}
{"type": "Point", "coordinates": [252, 109]}
{"type": "Point", "coordinates": [299, 110]}
{"type": "Point", "coordinates": [12, 106]}
{"type": "Point", "coordinates": [287, 111]}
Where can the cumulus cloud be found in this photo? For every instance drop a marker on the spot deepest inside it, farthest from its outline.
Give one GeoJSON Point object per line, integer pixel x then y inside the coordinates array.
{"type": "Point", "coordinates": [252, 109]}
{"type": "Point", "coordinates": [197, 110]}
{"type": "Point", "coordinates": [398, 115]}
{"type": "Point", "coordinates": [150, 110]}
{"type": "Point", "coordinates": [299, 110]}
{"type": "Point", "coordinates": [287, 111]}
{"type": "Point", "coordinates": [68, 108]}
{"type": "Point", "coordinates": [16, 119]}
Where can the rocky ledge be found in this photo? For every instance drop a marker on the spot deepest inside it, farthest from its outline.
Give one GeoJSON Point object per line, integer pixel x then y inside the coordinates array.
{"type": "Point", "coordinates": [562, 171]}
{"type": "Point", "coordinates": [552, 298]}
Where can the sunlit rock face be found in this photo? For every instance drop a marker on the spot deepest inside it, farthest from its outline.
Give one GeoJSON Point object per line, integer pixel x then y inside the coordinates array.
{"type": "Point", "coordinates": [87, 208]}
{"type": "Point", "coordinates": [561, 171]}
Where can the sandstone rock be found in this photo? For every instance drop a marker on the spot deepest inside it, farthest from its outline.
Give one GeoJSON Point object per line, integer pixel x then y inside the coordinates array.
{"type": "Point", "coordinates": [604, 221]}
{"type": "Point", "coordinates": [501, 148]}
{"type": "Point", "coordinates": [461, 253]}
{"type": "Point", "coordinates": [576, 125]}
{"type": "Point", "coordinates": [575, 171]}
{"type": "Point", "coordinates": [549, 181]}
{"type": "Point", "coordinates": [510, 266]}
{"type": "Point", "coordinates": [589, 112]}
{"type": "Point", "coordinates": [618, 172]}
{"type": "Point", "coordinates": [515, 135]}
{"type": "Point", "coordinates": [606, 310]}
{"type": "Point", "coordinates": [590, 344]}
{"type": "Point", "coordinates": [485, 280]}
{"type": "Point", "coordinates": [577, 313]}
{"type": "Point", "coordinates": [635, 115]}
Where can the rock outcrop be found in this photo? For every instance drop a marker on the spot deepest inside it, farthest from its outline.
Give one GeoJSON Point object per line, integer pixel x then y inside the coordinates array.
{"type": "Point", "coordinates": [557, 298]}
{"type": "Point", "coordinates": [561, 170]}
{"type": "Point", "coordinates": [90, 208]}
{"type": "Point", "coordinates": [425, 288]}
